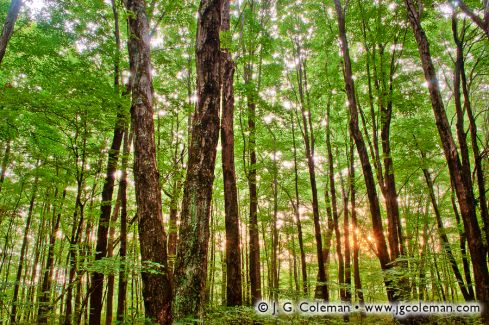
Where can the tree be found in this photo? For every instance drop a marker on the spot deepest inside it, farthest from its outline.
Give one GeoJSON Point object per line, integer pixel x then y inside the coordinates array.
{"type": "Point", "coordinates": [381, 245]}
{"type": "Point", "coordinates": [461, 181]}
{"type": "Point", "coordinates": [233, 253]}
{"type": "Point", "coordinates": [157, 289]}
{"type": "Point", "coordinates": [191, 260]}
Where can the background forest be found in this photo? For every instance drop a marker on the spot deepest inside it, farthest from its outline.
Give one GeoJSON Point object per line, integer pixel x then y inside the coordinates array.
{"type": "Point", "coordinates": [334, 149]}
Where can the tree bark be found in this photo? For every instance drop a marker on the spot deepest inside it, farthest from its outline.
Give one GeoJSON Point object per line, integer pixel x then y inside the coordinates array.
{"type": "Point", "coordinates": [157, 289]}
{"type": "Point", "coordinates": [8, 26]}
{"type": "Point", "coordinates": [191, 261]}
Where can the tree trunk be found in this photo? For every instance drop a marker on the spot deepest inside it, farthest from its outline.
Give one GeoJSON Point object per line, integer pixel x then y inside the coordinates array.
{"type": "Point", "coordinates": [463, 190]}
{"type": "Point", "coordinates": [233, 253]}
{"type": "Point", "coordinates": [308, 137]}
{"type": "Point", "coordinates": [346, 234]}
{"type": "Point", "coordinates": [356, 247]}
{"type": "Point", "coordinates": [23, 249]}
{"type": "Point", "coordinates": [44, 305]}
{"type": "Point", "coordinates": [378, 231]}
{"type": "Point", "coordinates": [122, 285]}
{"type": "Point", "coordinates": [297, 214]}
{"type": "Point", "coordinates": [334, 206]}
{"type": "Point", "coordinates": [459, 79]}
{"type": "Point", "coordinates": [157, 290]}
{"type": "Point", "coordinates": [191, 261]}
{"type": "Point", "coordinates": [8, 26]}
{"type": "Point", "coordinates": [444, 237]}
{"type": "Point", "coordinates": [254, 242]}
{"type": "Point", "coordinates": [97, 279]}
{"type": "Point", "coordinates": [5, 162]}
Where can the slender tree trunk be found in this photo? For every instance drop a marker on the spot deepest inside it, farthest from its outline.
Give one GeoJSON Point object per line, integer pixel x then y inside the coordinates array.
{"type": "Point", "coordinates": [38, 255]}
{"type": "Point", "coordinates": [463, 246]}
{"type": "Point", "coordinates": [334, 205]}
{"type": "Point", "coordinates": [275, 265]}
{"type": "Point", "coordinates": [72, 253]}
{"type": "Point", "coordinates": [297, 214]}
{"type": "Point", "coordinates": [356, 247]}
{"type": "Point", "coordinates": [380, 242]}
{"type": "Point", "coordinates": [44, 305]}
{"type": "Point", "coordinates": [459, 79]}
{"type": "Point", "coordinates": [8, 26]}
{"type": "Point", "coordinates": [308, 137]}
{"type": "Point", "coordinates": [254, 242]}
{"type": "Point", "coordinates": [97, 279]}
{"type": "Point", "coordinates": [109, 304]}
{"type": "Point", "coordinates": [191, 261]}
{"type": "Point", "coordinates": [157, 289]}
{"type": "Point", "coordinates": [5, 161]}
{"type": "Point", "coordinates": [23, 250]}
{"type": "Point", "coordinates": [444, 237]}
{"type": "Point", "coordinates": [346, 234]}
{"type": "Point", "coordinates": [462, 184]}
{"type": "Point", "coordinates": [122, 285]}
{"type": "Point", "coordinates": [233, 253]}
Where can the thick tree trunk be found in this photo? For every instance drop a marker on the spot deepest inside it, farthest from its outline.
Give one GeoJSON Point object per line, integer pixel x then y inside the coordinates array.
{"type": "Point", "coordinates": [157, 290]}
{"type": "Point", "coordinates": [8, 26]}
{"type": "Point", "coordinates": [191, 261]}
{"type": "Point", "coordinates": [463, 190]}
{"type": "Point", "coordinates": [234, 295]}
{"type": "Point", "coordinates": [378, 231]}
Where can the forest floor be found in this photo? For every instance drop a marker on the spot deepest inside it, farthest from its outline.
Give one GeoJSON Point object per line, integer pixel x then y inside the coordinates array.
{"type": "Point", "coordinates": [247, 315]}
